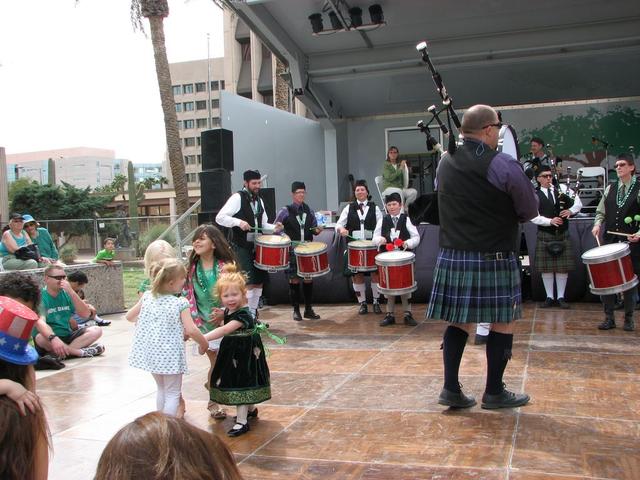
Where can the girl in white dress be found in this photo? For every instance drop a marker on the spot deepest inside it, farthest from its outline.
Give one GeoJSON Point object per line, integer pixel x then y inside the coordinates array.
{"type": "Point", "coordinates": [162, 320]}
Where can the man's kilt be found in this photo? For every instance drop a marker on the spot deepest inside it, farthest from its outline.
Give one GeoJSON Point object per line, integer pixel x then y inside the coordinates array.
{"type": "Point", "coordinates": [470, 287]}
{"type": "Point", "coordinates": [547, 263]}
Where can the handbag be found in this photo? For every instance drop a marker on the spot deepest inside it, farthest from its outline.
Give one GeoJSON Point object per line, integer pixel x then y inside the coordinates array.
{"type": "Point", "coordinates": [554, 247]}
{"type": "Point", "coordinates": [28, 252]}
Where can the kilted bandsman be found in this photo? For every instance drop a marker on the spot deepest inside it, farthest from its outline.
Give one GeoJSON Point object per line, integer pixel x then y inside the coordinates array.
{"type": "Point", "coordinates": [358, 220]}
{"type": "Point", "coordinates": [244, 214]}
{"type": "Point", "coordinates": [554, 253]}
{"type": "Point", "coordinates": [482, 196]}
{"type": "Point", "coordinates": [616, 211]}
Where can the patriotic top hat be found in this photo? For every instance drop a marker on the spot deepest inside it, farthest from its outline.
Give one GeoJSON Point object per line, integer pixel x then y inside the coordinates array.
{"type": "Point", "coordinates": [16, 324]}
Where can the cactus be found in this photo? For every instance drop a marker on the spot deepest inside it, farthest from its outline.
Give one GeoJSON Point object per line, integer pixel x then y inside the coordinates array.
{"type": "Point", "coordinates": [51, 172]}
{"type": "Point", "coordinates": [133, 204]}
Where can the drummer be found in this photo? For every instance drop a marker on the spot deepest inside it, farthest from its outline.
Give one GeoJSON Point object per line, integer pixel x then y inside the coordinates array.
{"type": "Point", "coordinates": [619, 202]}
{"type": "Point", "coordinates": [554, 211]}
{"type": "Point", "coordinates": [395, 231]}
{"type": "Point", "coordinates": [358, 220]}
{"type": "Point", "coordinates": [245, 215]}
{"type": "Point", "coordinates": [300, 224]}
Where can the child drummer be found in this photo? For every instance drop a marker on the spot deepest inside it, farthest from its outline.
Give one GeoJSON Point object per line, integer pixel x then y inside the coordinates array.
{"type": "Point", "coordinates": [396, 232]}
{"type": "Point", "coordinates": [358, 220]}
{"type": "Point", "coordinates": [300, 224]}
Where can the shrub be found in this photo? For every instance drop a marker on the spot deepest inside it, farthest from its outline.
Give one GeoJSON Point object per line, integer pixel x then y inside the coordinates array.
{"type": "Point", "coordinates": [152, 234]}
{"type": "Point", "coordinates": [68, 253]}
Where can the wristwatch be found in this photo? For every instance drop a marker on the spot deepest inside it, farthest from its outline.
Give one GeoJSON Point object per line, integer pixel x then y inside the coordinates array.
{"type": "Point", "coordinates": [52, 336]}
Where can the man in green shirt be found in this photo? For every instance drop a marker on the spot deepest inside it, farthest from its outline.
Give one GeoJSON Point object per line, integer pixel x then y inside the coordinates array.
{"type": "Point", "coordinates": [59, 303]}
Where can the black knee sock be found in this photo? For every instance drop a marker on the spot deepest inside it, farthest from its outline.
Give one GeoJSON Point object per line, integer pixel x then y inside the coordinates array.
{"type": "Point", "coordinates": [453, 344]}
{"type": "Point", "coordinates": [498, 354]}
{"type": "Point", "coordinates": [294, 293]}
{"type": "Point", "coordinates": [307, 288]}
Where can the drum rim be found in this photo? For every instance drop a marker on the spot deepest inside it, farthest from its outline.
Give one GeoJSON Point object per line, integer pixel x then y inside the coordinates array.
{"type": "Point", "coordinates": [616, 289]}
{"type": "Point", "coordinates": [399, 291]}
{"type": "Point", "coordinates": [310, 254]}
{"type": "Point", "coordinates": [369, 246]}
{"type": "Point", "coordinates": [285, 243]}
{"type": "Point", "coordinates": [623, 252]}
{"type": "Point", "coordinates": [395, 261]}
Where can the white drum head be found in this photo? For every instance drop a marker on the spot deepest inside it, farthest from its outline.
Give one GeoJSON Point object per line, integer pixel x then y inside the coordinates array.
{"type": "Point", "coordinates": [362, 244]}
{"type": "Point", "coordinates": [395, 257]}
{"type": "Point", "coordinates": [273, 239]}
{"type": "Point", "coordinates": [310, 248]}
{"type": "Point", "coordinates": [611, 250]}
{"type": "Point", "coordinates": [508, 141]}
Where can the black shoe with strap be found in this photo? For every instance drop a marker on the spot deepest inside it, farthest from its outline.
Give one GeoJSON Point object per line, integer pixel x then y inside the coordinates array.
{"type": "Point", "coordinates": [241, 430]}
{"type": "Point", "coordinates": [363, 309]}
{"type": "Point", "coordinates": [389, 319]}
{"type": "Point", "coordinates": [455, 399]}
{"type": "Point", "coordinates": [608, 324]}
{"type": "Point", "coordinates": [309, 313]}
{"type": "Point", "coordinates": [504, 399]}
{"type": "Point", "coordinates": [376, 308]}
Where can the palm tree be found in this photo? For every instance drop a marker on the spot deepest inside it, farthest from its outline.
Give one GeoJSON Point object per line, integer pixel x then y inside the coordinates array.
{"type": "Point", "coordinates": [156, 11]}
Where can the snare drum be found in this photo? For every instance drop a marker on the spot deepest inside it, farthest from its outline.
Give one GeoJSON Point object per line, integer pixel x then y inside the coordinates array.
{"type": "Point", "coordinates": [312, 259]}
{"type": "Point", "coordinates": [362, 256]}
{"type": "Point", "coordinates": [272, 252]}
{"type": "Point", "coordinates": [395, 270]}
{"type": "Point", "coordinates": [610, 269]}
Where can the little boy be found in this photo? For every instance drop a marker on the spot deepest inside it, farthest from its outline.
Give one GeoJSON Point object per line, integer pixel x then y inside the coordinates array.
{"type": "Point", "coordinates": [78, 280]}
{"type": "Point", "coordinates": [107, 254]}
{"type": "Point", "coordinates": [392, 226]}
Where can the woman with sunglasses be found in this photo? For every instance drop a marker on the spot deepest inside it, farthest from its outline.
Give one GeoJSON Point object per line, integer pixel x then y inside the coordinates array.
{"type": "Point", "coordinates": [41, 237]}
{"type": "Point", "coordinates": [13, 239]}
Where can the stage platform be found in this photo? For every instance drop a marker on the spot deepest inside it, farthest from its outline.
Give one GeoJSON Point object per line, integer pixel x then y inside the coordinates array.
{"type": "Point", "coordinates": [352, 400]}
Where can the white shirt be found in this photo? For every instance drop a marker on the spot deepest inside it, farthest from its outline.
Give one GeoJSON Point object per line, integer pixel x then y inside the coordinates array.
{"type": "Point", "coordinates": [412, 242]}
{"type": "Point", "coordinates": [546, 221]}
{"type": "Point", "coordinates": [226, 214]}
{"type": "Point", "coordinates": [342, 221]}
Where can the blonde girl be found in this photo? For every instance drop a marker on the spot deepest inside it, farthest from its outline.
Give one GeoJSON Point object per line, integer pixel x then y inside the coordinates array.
{"type": "Point", "coordinates": [156, 251]}
{"type": "Point", "coordinates": [162, 320]}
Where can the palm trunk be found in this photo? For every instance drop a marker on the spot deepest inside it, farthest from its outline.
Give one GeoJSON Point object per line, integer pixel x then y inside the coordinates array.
{"type": "Point", "coordinates": [170, 119]}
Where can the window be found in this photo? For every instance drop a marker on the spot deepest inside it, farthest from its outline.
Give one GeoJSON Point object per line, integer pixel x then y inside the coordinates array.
{"type": "Point", "coordinates": [201, 87]}
{"type": "Point", "coordinates": [189, 124]}
{"type": "Point", "coordinates": [215, 85]}
{"type": "Point", "coordinates": [221, 84]}
{"type": "Point", "coordinates": [178, 107]}
{"type": "Point", "coordinates": [199, 159]}
{"type": "Point", "coordinates": [190, 142]}
{"type": "Point", "coordinates": [215, 103]}
{"type": "Point", "coordinates": [192, 177]}
{"type": "Point", "coordinates": [201, 123]}
{"type": "Point", "coordinates": [268, 99]}
{"type": "Point", "coordinates": [187, 88]}
{"type": "Point", "coordinates": [188, 106]}
{"type": "Point", "coordinates": [201, 105]}
{"type": "Point", "coordinates": [179, 125]}
{"type": "Point", "coordinates": [189, 159]}
{"type": "Point", "coordinates": [177, 89]}
{"type": "Point", "coordinates": [215, 122]}
{"type": "Point", "coordinates": [199, 141]}
{"type": "Point", "coordinates": [246, 52]}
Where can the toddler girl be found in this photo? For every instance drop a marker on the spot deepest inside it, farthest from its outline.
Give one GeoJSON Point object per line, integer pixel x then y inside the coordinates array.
{"type": "Point", "coordinates": [162, 322]}
{"type": "Point", "coordinates": [240, 376]}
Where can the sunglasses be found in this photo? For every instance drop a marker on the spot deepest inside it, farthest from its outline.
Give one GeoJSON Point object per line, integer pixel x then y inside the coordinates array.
{"type": "Point", "coordinates": [57, 277]}
{"type": "Point", "coordinates": [497, 125]}
{"type": "Point", "coordinates": [620, 165]}
{"type": "Point", "coordinates": [546, 175]}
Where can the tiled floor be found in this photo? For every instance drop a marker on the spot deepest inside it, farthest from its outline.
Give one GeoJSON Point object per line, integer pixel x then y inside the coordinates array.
{"type": "Point", "coordinates": [352, 400]}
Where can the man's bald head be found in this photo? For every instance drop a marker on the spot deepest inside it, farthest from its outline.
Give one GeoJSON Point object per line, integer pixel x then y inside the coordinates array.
{"type": "Point", "coordinates": [477, 118]}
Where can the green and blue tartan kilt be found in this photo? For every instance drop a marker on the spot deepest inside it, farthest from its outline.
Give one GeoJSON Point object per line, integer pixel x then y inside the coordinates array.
{"type": "Point", "coordinates": [467, 288]}
{"type": "Point", "coordinates": [245, 257]}
{"type": "Point", "coordinates": [545, 262]}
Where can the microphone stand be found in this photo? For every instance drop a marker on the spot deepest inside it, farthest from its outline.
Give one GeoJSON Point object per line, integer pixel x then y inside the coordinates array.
{"type": "Point", "coordinates": [605, 144]}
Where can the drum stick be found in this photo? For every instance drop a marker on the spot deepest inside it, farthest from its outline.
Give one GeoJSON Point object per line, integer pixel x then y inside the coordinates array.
{"type": "Point", "coordinates": [620, 234]}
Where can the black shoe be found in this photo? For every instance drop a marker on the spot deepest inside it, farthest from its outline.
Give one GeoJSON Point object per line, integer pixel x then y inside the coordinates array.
{"type": "Point", "coordinates": [363, 309]}
{"type": "Point", "coordinates": [103, 323]}
{"type": "Point", "coordinates": [480, 339]}
{"type": "Point", "coordinates": [236, 432]}
{"type": "Point", "coordinates": [296, 314]}
{"type": "Point", "coordinates": [49, 362]}
{"type": "Point", "coordinates": [455, 399]}
{"type": "Point", "coordinates": [548, 303]}
{"type": "Point", "coordinates": [608, 324]}
{"type": "Point", "coordinates": [564, 305]}
{"type": "Point", "coordinates": [309, 313]}
{"type": "Point", "coordinates": [506, 399]}
{"type": "Point", "coordinates": [629, 325]}
{"type": "Point", "coordinates": [409, 320]}
{"type": "Point", "coordinates": [389, 319]}
{"type": "Point", "coordinates": [376, 308]}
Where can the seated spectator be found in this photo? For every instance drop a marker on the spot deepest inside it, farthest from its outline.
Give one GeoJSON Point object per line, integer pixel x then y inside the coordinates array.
{"type": "Point", "coordinates": [24, 436]}
{"type": "Point", "coordinates": [161, 447]}
{"type": "Point", "coordinates": [59, 303]}
{"type": "Point", "coordinates": [78, 280]}
{"type": "Point", "coordinates": [395, 178]}
{"type": "Point", "coordinates": [107, 254]}
{"type": "Point", "coordinates": [25, 290]}
{"type": "Point", "coordinates": [42, 238]}
{"type": "Point", "coordinates": [14, 239]}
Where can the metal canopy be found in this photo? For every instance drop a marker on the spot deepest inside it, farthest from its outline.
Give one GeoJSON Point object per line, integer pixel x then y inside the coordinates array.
{"type": "Point", "coordinates": [499, 52]}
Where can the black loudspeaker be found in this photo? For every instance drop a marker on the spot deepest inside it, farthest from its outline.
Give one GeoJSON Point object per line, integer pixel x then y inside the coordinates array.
{"type": "Point", "coordinates": [268, 196]}
{"type": "Point", "coordinates": [217, 149]}
{"type": "Point", "coordinates": [215, 189]}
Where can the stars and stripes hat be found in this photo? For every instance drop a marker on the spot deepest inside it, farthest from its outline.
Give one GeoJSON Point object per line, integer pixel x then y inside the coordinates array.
{"type": "Point", "coordinates": [16, 324]}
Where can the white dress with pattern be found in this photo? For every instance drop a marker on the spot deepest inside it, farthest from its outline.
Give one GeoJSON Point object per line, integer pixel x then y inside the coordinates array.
{"type": "Point", "coordinates": [158, 345]}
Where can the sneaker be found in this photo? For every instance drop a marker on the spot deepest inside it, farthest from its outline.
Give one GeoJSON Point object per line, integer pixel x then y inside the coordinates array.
{"type": "Point", "coordinates": [101, 322]}
{"type": "Point", "coordinates": [92, 350]}
{"type": "Point", "coordinates": [505, 399]}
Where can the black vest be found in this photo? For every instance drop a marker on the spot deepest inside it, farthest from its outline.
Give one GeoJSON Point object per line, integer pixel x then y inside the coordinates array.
{"type": "Point", "coordinates": [239, 236]}
{"type": "Point", "coordinates": [292, 227]}
{"type": "Point", "coordinates": [474, 215]}
{"type": "Point", "coordinates": [550, 210]}
{"type": "Point", "coordinates": [353, 221]}
{"type": "Point", "coordinates": [614, 216]}
{"type": "Point", "coordinates": [387, 225]}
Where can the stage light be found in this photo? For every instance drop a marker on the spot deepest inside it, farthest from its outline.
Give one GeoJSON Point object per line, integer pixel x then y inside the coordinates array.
{"type": "Point", "coordinates": [377, 16]}
{"type": "Point", "coordinates": [316, 22]}
{"type": "Point", "coordinates": [335, 21]}
{"type": "Point", "coordinates": [356, 16]}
